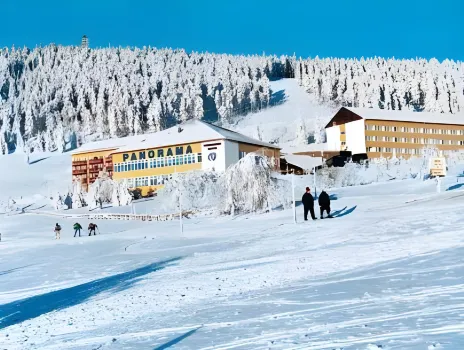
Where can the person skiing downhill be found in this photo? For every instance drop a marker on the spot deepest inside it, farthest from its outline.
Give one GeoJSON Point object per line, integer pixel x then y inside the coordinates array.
{"type": "Point", "coordinates": [324, 203]}
{"type": "Point", "coordinates": [92, 228]}
{"type": "Point", "coordinates": [57, 231]}
{"type": "Point", "coordinates": [77, 228]}
{"type": "Point", "coordinates": [308, 204]}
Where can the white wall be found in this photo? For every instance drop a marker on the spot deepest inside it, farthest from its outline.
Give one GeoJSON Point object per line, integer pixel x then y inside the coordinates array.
{"type": "Point", "coordinates": [333, 138]}
{"type": "Point", "coordinates": [213, 159]}
{"type": "Point", "coordinates": [356, 136]}
{"type": "Point", "coordinates": [231, 153]}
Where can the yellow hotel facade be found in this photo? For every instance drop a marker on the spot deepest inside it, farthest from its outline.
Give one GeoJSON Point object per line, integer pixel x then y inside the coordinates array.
{"type": "Point", "coordinates": [384, 133]}
{"type": "Point", "coordinates": [148, 161]}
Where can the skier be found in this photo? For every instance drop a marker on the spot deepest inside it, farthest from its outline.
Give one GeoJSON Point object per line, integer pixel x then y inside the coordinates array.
{"type": "Point", "coordinates": [92, 227]}
{"type": "Point", "coordinates": [308, 204]}
{"type": "Point", "coordinates": [77, 228]}
{"type": "Point", "coordinates": [324, 203]}
{"type": "Point", "coordinates": [57, 231]}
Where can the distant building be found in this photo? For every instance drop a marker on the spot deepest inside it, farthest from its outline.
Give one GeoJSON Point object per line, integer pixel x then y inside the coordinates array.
{"type": "Point", "coordinates": [380, 132]}
{"type": "Point", "coordinates": [85, 42]}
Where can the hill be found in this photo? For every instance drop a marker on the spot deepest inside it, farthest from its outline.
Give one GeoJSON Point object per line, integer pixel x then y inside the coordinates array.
{"type": "Point", "coordinates": [385, 273]}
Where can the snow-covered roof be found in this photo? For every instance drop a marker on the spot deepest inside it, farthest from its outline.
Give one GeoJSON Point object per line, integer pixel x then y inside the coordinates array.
{"type": "Point", "coordinates": [304, 162]}
{"type": "Point", "coordinates": [111, 144]}
{"type": "Point", "coordinates": [408, 116]}
{"type": "Point", "coordinates": [192, 131]}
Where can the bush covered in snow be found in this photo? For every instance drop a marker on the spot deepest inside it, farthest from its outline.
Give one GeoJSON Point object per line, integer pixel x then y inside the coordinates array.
{"type": "Point", "coordinates": [199, 190]}
{"type": "Point", "coordinates": [107, 191]}
{"type": "Point", "coordinates": [247, 186]}
{"type": "Point", "coordinates": [384, 169]}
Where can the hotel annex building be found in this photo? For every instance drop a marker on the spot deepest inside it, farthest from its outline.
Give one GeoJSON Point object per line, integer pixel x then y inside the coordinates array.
{"type": "Point", "coordinates": [148, 161]}
{"type": "Point", "coordinates": [379, 132]}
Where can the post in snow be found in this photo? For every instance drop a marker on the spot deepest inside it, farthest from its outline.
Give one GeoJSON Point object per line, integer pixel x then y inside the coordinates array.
{"type": "Point", "coordinates": [293, 194]}
{"type": "Point", "coordinates": [180, 213]}
{"type": "Point", "coordinates": [438, 184]}
{"type": "Point", "coordinates": [314, 177]}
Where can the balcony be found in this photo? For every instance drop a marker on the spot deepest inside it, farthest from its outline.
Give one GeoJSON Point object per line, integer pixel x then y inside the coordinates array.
{"type": "Point", "coordinates": [79, 172]}
{"type": "Point", "coordinates": [79, 163]}
{"type": "Point", "coordinates": [96, 161]}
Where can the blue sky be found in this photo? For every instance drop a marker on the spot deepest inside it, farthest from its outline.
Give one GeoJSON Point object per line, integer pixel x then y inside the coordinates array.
{"type": "Point", "coordinates": [337, 28]}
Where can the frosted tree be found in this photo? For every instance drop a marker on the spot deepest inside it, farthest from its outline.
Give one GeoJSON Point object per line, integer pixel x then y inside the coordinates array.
{"type": "Point", "coordinates": [248, 185]}
{"type": "Point", "coordinates": [100, 192]}
{"type": "Point", "coordinates": [301, 137]}
{"type": "Point", "coordinates": [78, 194]}
{"type": "Point", "coordinates": [121, 194]}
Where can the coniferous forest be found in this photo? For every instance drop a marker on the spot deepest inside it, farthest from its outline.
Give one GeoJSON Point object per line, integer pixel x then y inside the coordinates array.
{"type": "Point", "coordinates": [56, 98]}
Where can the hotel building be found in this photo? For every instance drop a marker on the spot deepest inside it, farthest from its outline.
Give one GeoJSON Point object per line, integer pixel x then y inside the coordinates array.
{"type": "Point", "coordinates": [148, 161]}
{"type": "Point", "coordinates": [382, 133]}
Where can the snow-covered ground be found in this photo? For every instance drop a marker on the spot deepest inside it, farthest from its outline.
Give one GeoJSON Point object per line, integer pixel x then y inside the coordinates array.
{"type": "Point", "coordinates": [290, 123]}
{"type": "Point", "coordinates": [386, 273]}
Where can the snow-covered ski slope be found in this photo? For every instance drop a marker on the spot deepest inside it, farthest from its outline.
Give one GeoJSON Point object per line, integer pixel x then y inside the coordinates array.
{"type": "Point", "coordinates": [386, 273]}
{"type": "Point", "coordinates": [283, 123]}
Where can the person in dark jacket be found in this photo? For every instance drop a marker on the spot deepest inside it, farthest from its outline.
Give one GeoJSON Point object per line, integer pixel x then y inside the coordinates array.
{"type": "Point", "coordinates": [92, 228]}
{"type": "Point", "coordinates": [308, 204]}
{"type": "Point", "coordinates": [324, 203]}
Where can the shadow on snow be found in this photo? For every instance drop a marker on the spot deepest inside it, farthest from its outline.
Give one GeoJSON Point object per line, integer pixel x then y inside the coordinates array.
{"type": "Point", "coordinates": [176, 340]}
{"type": "Point", "coordinates": [343, 212]}
{"type": "Point", "coordinates": [25, 309]}
{"type": "Point", "coordinates": [13, 270]}
{"type": "Point", "coordinates": [455, 187]}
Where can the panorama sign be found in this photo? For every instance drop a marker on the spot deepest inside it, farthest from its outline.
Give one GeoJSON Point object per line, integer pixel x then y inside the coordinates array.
{"type": "Point", "coordinates": [159, 153]}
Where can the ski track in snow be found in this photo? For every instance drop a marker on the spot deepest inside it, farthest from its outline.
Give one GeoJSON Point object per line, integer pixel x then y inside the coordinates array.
{"type": "Point", "coordinates": [389, 274]}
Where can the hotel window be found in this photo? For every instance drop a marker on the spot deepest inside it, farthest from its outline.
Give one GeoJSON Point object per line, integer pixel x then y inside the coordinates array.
{"type": "Point", "coordinates": [199, 158]}
{"type": "Point", "coordinates": [454, 132]}
{"type": "Point", "coordinates": [394, 128]}
{"type": "Point", "coordinates": [461, 143]}
{"type": "Point", "coordinates": [404, 140]}
{"type": "Point", "coordinates": [404, 129]}
{"type": "Point", "coordinates": [394, 139]}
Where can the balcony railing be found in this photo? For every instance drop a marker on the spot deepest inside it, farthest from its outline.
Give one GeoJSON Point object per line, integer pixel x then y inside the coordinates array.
{"type": "Point", "coordinates": [96, 161]}
{"type": "Point", "coordinates": [79, 172]}
{"type": "Point", "coordinates": [79, 162]}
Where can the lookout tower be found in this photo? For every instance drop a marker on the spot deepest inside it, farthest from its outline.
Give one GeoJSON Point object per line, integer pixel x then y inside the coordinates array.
{"type": "Point", "coordinates": [85, 42]}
